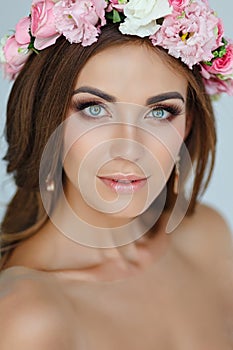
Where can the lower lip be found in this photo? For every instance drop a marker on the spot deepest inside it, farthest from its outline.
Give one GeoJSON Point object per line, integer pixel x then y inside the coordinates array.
{"type": "Point", "coordinates": [124, 188]}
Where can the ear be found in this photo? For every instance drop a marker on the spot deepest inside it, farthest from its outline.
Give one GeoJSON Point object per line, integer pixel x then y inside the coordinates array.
{"type": "Point", "coordinates": [188, 126]}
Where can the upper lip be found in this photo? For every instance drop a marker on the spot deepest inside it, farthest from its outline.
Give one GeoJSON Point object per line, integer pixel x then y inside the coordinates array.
{"type": "Point", "coordinates": [129, 177]}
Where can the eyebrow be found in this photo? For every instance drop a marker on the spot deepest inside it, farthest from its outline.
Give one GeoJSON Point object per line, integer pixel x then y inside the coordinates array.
{"type": "Point", "coordinates": [154, 99]}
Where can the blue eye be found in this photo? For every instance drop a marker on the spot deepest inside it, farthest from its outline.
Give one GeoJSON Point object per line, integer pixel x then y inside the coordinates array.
{"type": "Point", "coordinates": [164, 112]}
{"type": "Point", "coordinates": [159, 113]}
{"type": "Point", "coordinates": [91, 109]}
{"type": "Point", "coordinates": [95, 111]}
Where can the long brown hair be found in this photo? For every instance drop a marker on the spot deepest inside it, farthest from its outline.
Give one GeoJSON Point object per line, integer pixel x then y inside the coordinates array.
{"type": "Point", "coordinates": [38, 104]}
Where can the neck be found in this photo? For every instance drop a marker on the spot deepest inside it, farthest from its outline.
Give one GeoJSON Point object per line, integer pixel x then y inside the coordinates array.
{"type": "Point", "coordinates": [70, 245]}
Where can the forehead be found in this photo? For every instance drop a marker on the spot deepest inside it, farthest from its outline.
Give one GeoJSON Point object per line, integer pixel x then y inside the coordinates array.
{"type": "Point", "coordinates": [131, 73]}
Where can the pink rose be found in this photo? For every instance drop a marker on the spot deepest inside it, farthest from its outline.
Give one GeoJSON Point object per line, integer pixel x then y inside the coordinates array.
{"type": "Point", "coordinates": [43, 24]}
{"type": "Point", "coordinates": [22, 35]}
{"type": "Point", "coordinates": [216, 86]}
{"type": "Point", "coordinates": [179, 5]}
{"type": "Point", "coordinates": [16, 55]}
{"type": "Point", "coordinates": [223, 65]}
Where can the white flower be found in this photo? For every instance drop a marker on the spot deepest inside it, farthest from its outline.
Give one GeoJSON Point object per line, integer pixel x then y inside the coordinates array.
{"type": "Point", "coordinates": [2, 44]}
{"type": "Point", "coordinates": [141, 16]}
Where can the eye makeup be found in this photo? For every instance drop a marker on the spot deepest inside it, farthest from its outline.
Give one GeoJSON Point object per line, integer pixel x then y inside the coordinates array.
{"type": "Point", "coordinates": [165, 110]}
{"type": "Point", "coordinates": [80, 105]}
{"type": "Point", "coordinates": [169, 111]}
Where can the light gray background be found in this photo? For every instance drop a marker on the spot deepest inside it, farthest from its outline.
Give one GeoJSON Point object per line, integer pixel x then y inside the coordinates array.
{"type": "Point", "coordinates": [220, 191]}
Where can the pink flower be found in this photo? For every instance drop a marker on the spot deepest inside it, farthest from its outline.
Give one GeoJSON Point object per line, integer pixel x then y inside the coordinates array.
{"type": "Point", "coordinates": [189, 36]}
{"type": "Point", "coordinates": [115, 5]}
{"type": "Point", "coordinates": [220, 34]}
{"type": "Point", "coordinates": [204, 72]}
{"type": "Point", "coordinates": [216, 86]}
{"type": "Point", "coordinates": [43, 24]}
{"type": "Point", "coordinates": [222, 65]}
{"type": "Point", "coordinates": [15, 48]}
{"type": "Point", "coordinates": [179, 4]}
{"type": "Point", "coordinates": [15, 56]}
{"type": "Point", "coordinates": [22, 35]}
{"type": "Point", "coordinates": [78, 21]}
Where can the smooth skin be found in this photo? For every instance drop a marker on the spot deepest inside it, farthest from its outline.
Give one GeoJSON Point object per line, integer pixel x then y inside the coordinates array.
{"type": "Point", "coordinates": [171, 292]}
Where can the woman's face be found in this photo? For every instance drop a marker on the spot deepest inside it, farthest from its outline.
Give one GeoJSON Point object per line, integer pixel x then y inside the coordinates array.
{"type": "Point", "coordinates": [124, 130]}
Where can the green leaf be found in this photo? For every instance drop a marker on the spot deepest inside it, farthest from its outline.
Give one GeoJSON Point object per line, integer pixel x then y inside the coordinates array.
{"type": "Point", "coordinates": [208, 63]}
{"type": "Point", "coordinates": [182, 15]}
{"type": "Point", "coordinates": [225, 42]}
{"type": "Point", "coordinates": [222, 53]}
{"type": "Point", "coordinates": [116, 16]}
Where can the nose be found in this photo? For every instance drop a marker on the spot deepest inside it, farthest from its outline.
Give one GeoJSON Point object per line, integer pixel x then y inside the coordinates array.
{"type": "Point", "coordinates": [126, 144]}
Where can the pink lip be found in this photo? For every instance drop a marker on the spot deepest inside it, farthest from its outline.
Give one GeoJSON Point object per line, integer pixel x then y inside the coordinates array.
{"type": "Point", "coordinates": [119, 176]}
{"type": "Point", "coordinates": [125, 188]}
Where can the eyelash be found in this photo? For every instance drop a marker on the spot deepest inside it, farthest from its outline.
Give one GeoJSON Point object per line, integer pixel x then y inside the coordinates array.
{"type": "Point", "coordinates": [80, 105]}
{"type": "Point", "coordinates": [172, 109]}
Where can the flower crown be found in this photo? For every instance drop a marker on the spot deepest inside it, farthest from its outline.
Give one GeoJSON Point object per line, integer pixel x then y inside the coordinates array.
{"type": "Point", "coordinates": [187, 29]}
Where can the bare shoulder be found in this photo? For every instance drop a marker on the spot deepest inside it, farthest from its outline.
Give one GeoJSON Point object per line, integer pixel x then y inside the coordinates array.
{"type": "Point", "coordinates": [33, 314]}
{"type": "Point", "coordinates": [211, 217]}
{"type": "Point", "coordinates": [204, 244]}
{"type": "Point", "coordinates": [206, 235]}
{"type": "Point", "coordinates": [209, 223]}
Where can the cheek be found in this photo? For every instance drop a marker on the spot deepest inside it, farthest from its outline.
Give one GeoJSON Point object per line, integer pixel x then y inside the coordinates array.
{"type": "Point", "coordinates": [71, 164]}
{"type": "Point", "coordinates": [84, 153]}
{"type": "Point", "coordinates": [75, 157]}
{"type": "Point", "coordinates": [165, 141]}
{"type": "Point", "coordinates": [179, 124]}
